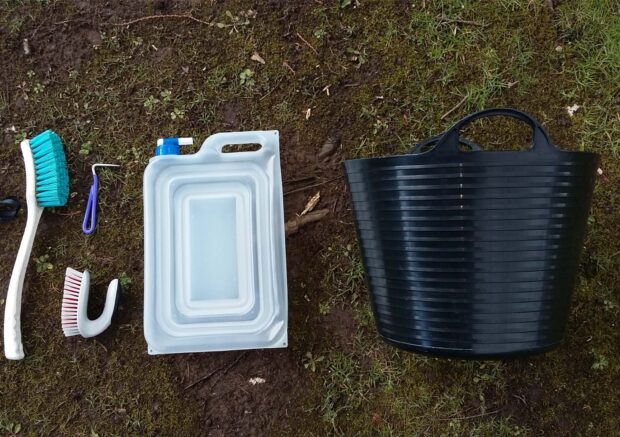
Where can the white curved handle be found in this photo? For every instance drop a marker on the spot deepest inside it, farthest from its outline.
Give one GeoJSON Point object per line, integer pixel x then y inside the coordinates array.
{"type": "Point", "coordinates": [91, 328]}
{"type": "Point", "coordinates": [13, 348]}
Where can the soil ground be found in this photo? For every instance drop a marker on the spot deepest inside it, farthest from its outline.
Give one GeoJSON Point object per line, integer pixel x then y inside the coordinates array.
{"type": "Point", "coordinates": [339, 80]}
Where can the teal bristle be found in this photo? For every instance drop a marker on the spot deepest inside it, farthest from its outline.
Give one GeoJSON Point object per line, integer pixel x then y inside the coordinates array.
{"type": "Point", "coordinates": [52, 177]}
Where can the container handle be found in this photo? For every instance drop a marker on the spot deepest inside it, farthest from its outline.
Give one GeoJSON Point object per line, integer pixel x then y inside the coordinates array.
{"type": "Point", "coordinates": [449, 141]}
{"type": "Point", "coordinates": [268, 141]}
{"type": "Point", "coordinates": [419, 148]}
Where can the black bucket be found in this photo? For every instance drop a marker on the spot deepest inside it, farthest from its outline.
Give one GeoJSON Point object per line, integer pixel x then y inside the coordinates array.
{"type": "Point", "coordinates": [473, 254]}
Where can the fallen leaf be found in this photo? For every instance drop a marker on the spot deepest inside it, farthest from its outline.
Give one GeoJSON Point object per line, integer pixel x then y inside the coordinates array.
{"type": "Point", "coordinates": [258, 58]}
{"type": "Point", "coordinates": [572, 109]}
{"type": "Point", "coordinates": [311, 203]}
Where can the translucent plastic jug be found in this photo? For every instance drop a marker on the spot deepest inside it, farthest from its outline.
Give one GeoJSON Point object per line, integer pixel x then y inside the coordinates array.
{"type": "Point", "coordinates": [215, 261]}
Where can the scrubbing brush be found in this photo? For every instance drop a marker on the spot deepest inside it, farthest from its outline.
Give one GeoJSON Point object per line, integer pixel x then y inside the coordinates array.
{"type": "Point", "coordinates": [74, 316]}
{"type": "Point", "coordinates": [47, 185]}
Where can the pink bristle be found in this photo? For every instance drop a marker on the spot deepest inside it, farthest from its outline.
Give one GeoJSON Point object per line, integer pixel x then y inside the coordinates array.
{"type": "Point", "coordinates": [70, 298]}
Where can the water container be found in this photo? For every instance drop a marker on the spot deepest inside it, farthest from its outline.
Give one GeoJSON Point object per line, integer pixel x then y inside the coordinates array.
{"type": "Point", "coordinates": [215, 261]}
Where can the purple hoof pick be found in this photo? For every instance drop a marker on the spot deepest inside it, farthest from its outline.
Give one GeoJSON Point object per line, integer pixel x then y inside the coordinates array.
{"type": "Point", "coordinates": [90, 215]}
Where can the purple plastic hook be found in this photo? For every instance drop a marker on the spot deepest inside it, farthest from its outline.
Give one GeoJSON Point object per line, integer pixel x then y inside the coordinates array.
{"type": "Point", "coordinates": [90, 215]}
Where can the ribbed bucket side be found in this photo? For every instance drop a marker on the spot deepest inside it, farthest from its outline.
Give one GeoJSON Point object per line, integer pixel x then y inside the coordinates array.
{"type": "Point", "coordinates": [471, 258]}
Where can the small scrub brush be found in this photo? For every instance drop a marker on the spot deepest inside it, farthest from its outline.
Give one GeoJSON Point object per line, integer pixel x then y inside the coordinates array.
{"type": "Point", "coordinates": [47, 185]}
{"type": "Point", "coordinates": [74, 316]}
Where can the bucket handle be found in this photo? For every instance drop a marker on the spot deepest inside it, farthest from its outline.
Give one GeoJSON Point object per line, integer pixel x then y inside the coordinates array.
{"type": "Point", "coordinates": [448, 143]}
{"type": "Point", "coordinates": [419, 148]}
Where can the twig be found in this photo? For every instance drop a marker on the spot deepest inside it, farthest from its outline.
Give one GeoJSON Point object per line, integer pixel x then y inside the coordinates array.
{"type": "Point", "coordinates": [297, 190]}
{"type": "Point", "coordinates": [304, 179]}
{"type": "Point", "coordinates": [272, 89]}
{"type": "Point", "coordinates": [204, 378]}
{"type": "Point", "coordinates": [457, 106]}
{"type": "Point", "coordinates": [337, 202]}
{"type": "Point", "coordinates": [209, 375]}
{"type": "Point", "coordinates": [445, 20]}
{"type": "Point", "coordinates": [153, 17]}
{"type": "Point", "coordinates": [69, 214]}
{"type": "Point", "coordinates": [292, 226]}
{"type": "Point", "coordinates": [469, 417]}
{"type": "Point", "coordinates": [287, 65]}
{"type": "Point", "coordinates": [521, 398]}
{"type": "Point", "coordinates": [226, 370]}
{"type": "Point", "coordinates": [307, 43]}
{"type": "Point", "coordinates": [38, 27]}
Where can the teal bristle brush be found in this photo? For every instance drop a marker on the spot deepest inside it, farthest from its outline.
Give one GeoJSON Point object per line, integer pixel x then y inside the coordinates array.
{"type": "Point", "coordinates": [47, 185]}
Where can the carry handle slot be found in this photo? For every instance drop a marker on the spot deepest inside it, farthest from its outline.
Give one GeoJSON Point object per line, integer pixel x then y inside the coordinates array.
{"type": "Point", "coordinates": [239, 144]}
{"type": "Point", "coordinates": [241, 148]}
{"type": "Point", "coordinates": [448, 143]}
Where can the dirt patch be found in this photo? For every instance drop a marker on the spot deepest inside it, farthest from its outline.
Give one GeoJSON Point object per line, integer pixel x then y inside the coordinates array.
{"type": "Point", "coordinates": [342, 324]}
{"type": "Point", "coordinates": [243, 391]}
{"type": "Point", "coordinates": [232, 114]}
{"type": "Point", "coordinates": [62, 49]}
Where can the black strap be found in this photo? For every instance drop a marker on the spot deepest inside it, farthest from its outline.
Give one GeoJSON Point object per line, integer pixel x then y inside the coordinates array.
{"type": "Point", "coordinates": [9, 207]}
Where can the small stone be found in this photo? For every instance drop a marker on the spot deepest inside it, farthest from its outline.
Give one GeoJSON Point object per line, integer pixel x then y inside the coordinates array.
{"type": "Point", "coordinates": [559, 49]}
{"type": "Point", "coordinates": [257, 380]}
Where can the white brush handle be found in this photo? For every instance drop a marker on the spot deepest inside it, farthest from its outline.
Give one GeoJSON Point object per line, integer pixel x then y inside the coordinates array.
{"type": "Point", "coordinates": [91, 328]}
{"type": "Point", "coordinates": [13, 348]}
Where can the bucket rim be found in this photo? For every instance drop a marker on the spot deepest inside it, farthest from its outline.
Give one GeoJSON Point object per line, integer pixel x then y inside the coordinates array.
{"type": "Point", "coordinates": [489, 153]}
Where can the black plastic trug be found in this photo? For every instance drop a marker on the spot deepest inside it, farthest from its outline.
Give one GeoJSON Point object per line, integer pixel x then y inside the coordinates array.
{"type": "Point", "coordinates": [473, 254]}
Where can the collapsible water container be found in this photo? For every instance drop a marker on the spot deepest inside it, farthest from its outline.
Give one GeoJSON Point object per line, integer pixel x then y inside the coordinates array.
{"type": "Point", "coordinates": [214, 255]}
{"type": "Point", "coordinates": [473, 254]}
